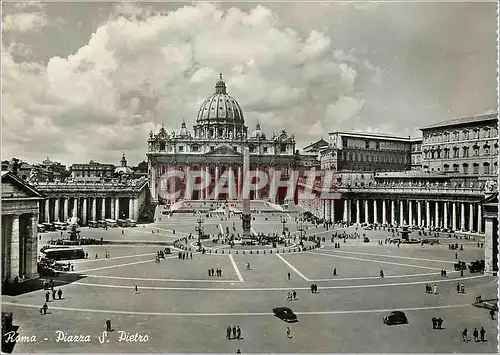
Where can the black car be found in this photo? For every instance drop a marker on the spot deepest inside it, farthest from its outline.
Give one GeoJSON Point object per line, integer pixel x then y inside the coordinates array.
{"type": "Point", "coordinates": [396, 317]}
{"type": "Point", "coordinates": [285, 314]}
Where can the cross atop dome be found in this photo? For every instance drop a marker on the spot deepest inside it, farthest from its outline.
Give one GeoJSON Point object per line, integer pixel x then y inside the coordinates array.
{"type": "Point", "coordinates": [220, 87]}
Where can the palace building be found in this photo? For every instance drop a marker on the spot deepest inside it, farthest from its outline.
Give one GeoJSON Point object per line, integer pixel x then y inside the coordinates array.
{"type": "Point", "coordinates": [215, 146]}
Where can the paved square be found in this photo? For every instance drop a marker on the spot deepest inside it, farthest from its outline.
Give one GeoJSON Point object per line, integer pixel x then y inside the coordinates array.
{"type": "Point", "coordinates": [182, 309]}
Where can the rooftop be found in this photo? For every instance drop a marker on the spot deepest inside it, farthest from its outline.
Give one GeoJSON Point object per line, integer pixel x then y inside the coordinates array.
{"type": "Point", "coordinates": [462, 121]}
{"type": "Point", "coordinates": [371, 135]}
{"type": "Point", "coordinates": [410, 174]}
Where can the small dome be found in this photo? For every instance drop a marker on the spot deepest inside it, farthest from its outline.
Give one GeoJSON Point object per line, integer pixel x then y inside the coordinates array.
{"type": "Point", "coordinates": [183, 131]}
{"type": "Point", "coordinates": [123, 170]}
{"type": "Point", "coordinates": [258, 134]}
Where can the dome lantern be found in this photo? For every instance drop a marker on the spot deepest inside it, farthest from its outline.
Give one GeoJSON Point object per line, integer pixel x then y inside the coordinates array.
{"type": "Point", "coordinates": [220, 86]}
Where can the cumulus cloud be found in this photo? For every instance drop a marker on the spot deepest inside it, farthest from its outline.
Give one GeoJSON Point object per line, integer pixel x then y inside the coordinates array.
{"type": "Point", "coordinates": [141, 67]}
{"type": "Point", "coordinates": [25, 22]}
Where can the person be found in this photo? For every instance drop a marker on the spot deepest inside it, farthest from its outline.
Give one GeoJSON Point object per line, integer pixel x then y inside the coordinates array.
{"type": "Point", "coordinates": [312, 288]}
{"type": "Point", "coordinates": [53, 295]}
{"type": "Point", "coordinates": [289, 276]}
{"type": "Point", "coordinates": [294, 294]}
{"type": "Point", "coordinates": [45, 308]}
{"type": "Point", "coordinates": [435, 289]}
{"type": "Point", "coordinates": [108, 325]}
{"type": "Point", "coordinates": [136, 290]}
{"type": "Point", "coordinates": [228, 332]}
{"type": "Point", "coordinates": [59, 293]}
{"type": "Point", "coordinates": [288, 333]}
{"type": "Point", "coordinates": [434, 322]}
{"type": "Point", "coordinates": [234, 331]}
{"type": "Point", "coordinates": [439, 323]}
{"type": "Point", "coordinates": [238, 351]}
{"type": "Point", "coordinates": [482, 332]}
{"type": "Point", "coordinates": [462, 288]}
{"type": "Point", "coordinates": [492, 314]}
{"type": "Point", "coordinates": [464, 335]}
{"type": "Point", "coordinates": [47, 296]}
{"type": "Point", "coordinates": [458, 287]}
{"type": "Point", "coordinates": [238, 333]}
{"type": "Point", "coordinates": [334, 271]}
{"type": "Point", "coordinates": [475, 334]}
{"type": "Point", "coordinates": [382, 273]}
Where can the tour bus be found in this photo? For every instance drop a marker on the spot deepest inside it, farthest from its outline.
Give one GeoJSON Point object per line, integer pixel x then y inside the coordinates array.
{"type": "Point", "coordinates": [61, 225]}
{"type": "Point", "coordinates": [40, 228]}
{"type": "Point", "coordinates": [64, 253]}
{"type": "Point", "coordinates": [93, 224]}
{"type": "Point", "coordinates": [122, 223]}
{"type": "Point", "coordinates": [101, 224]}
{"type": "Point", "coordinates": [131, 223]}
{"type": "Point", "coordinates": [110, 222]}
{"type": "Point", "coordinates": [49, 227]}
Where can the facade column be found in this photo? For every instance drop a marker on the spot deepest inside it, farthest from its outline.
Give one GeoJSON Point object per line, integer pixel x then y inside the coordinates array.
{"type": "Point", "coordinates": [346, 210]}
{"type": "Point", "coordinates": [436, 213]}
{"type": "Point", "coordinates": [94, 208]}
{"type": "Point", "coordinates": [454, 217]}
{"type": "Point", "coordinates": [14, 247]}
{"type": "Point", "coordinates": [428, 214]}
{"type": "Point", "coordinates": [65, 208]}
{"type": "Point", "coordinates": [207, 190]}
{"type": "Point", "coordinates": [84, 211]}
{"type": "Point", "coordinates": [57, 213]}
{"type": "Point", "coordinates": [471, 217]}
{"type": "Point", "coordinates": [187, 184]}
{"type": "Point", "coordinates": [332, 211]}
{"type": "Point", "coordinates": [154, 194]}
{"type": "Point", "coordinates": [113, 212]}
{"type": "Point", "coordinates": [257, 192]}
{"type": "Point", "coordinates": [401, 212]}
{"type": "Point", "coordinates": [325, 209]}
{"type": "Point", "coordinates": [375, 212]}
{"type": "Point", "coordinates": [47, 210]}
{"type": "Point", "coordinates": [117, 208]}
{"type": "Point", "coordinates": [75, 207]}
{"type": "Point", "coordinates": [462, 217]}
{"type": "Point", "coordinates": [103, 208]}
{"type": "Point", "coordinates": [445, 217]}
{"type": "Point", "coordinates": [358, 213]}
{"type": "Point", "coordinates": [131, 208]}
{"type": "Point", "coordinates": [419, 214]}
{"type": "Point", "coordinates": [216, 180]}
{"type": "Point", "coordinates": [393, 212]}
{"type": "Point", "coordinates": [384, 212]}
{"type": "Point", "coordinates": [239, 183]}
{"type": "Point", "coordinates": [272, 190]}
{"type": "Point", "coordinates": [479, 218]}
{"type": "Point", "coordinates": [367, 214]}
{"type": "Point", "coordinates": [136, 209]}
{"type": "Point", "coordinates": [31, 267]}
{"type": "Point", "coordinates": [232, 187]}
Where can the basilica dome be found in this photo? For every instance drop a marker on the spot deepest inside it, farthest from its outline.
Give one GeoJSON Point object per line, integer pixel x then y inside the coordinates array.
{"type": "Point", "coordinates": [220, 107]}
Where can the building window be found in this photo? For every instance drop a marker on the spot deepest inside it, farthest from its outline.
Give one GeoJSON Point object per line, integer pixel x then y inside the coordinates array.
{"type": "Point", "coordinates": [476, 151]}
{"type": "Point", "coordinates": [367, 145]}
{"type": "Point", "coordinates": [194, 148]}
{"type": "Point", "coordinates": [495, 168]}
{"type": "Point", "coordinates": [446, 153]}
{"type": "Point", "coordinates": [438, 153]}
{"type": "Point", "coordinates": [235, 148]}
{"type": "Point", "coordinates": [446, 137]}
{"type": "Point", "coordinates": [455, 136]}
{"type": "Point", "coordinates": [455, 152]}
{"type": "Point", "coordinates": [455, 168]}
{"type": "Point", "coordinates": [487, 132]}
{"type": "Point", "coordinates": [496, 148]}
{"type": "Point", "coordinates": [265, 149]}
{"type": "Point", "coordinates": [162, 146]}
{"type": "Point", "coordinates": [476, 134]}
{"type": "Point", "coordinates": [181, 149]}
{"type": "Point", "coordinates": [486, 149]}
{"type": "Point", "coordinates": [475, 168]}
{"type": "Point", "coordinates": [466, 134]}
{"type": "Point", "coordinates": [212, 148]}
{"type": "Point", "coordinates": [466, 152]}
{"type": "Point", "coordinates": [465, 168]}
{"type": "Point", "coordinates": [486, 167]}
{"type": "Point", "coordinates": [446, 168]}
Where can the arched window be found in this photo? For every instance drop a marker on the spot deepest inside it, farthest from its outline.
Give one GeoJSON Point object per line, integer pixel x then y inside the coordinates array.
{"type": "Point", "coordinates": [486, 149]}
{"type": "Point", "coordinates": [487, 132]}
{"type": "Point", "coordinates": [466, 134]}
{"type": "Point", "coordinates": [455, 168]}
{"type": "Point", "coordinates": [486, 167]}
{"type": "Point", "coordinates": [465, 168]}
{"type": "Point", "coordinates": [446, 168]}
{"type": "Point", "coordinates": [466, 152]}
{"type": "Point", "coordinates": [475, 168]}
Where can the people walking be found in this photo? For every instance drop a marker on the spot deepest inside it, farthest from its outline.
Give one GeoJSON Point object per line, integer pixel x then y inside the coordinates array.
{"type": "Point", "coordinates": [59, 293]}
{"type": "Point", "coordinates": [492, 314]}
{"type": "Point", "coordinates": [382, 273]}
{"type": "Point", "coordinates": [288, 333]}
{"type": "Point", "coordinates": [294, 294]}
{"type": "Point", "coordinates": [289, 276]}
{"type": "Point", "coordinates": [334, 271]}
{"type": "Point", "coordinates": [47, 296]}
{"type": "Point", "coordinates": [482, 332]}
{"type": "Point", "coordinates": [464, 335]}
{"type": "Point", "coordinates": [238, 332]}
{"type": "Point", "coordinates": [228, 332]}
{"type": "Point", "coordinates": [136, 289]}
{"type": "Point", "coordinates": [108, 325]}
{"type": "Point", "coordinates": [435, 289]}
{"type": "Point", "coordinates": [234, 331]}
{"type": "Point", "coordinates": [475, 334]}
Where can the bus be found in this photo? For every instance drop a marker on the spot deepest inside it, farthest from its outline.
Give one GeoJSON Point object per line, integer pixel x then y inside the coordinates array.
{"type": "Point", "coordinates": [40, 228]}
{"type": "Point", "coordinates": [93, 224]}
{"type": "Point", "coordinates": [131, 223]}
{"type": "Point", "coordinates": [49, 227]}
{"type": "Point", "coordinates": [122, 223]}
{"type": "Point", "coordinates": [110, 222]}
{"type": "Point", "coordinates": [101, 224]}
{"type": "Point", "coordinates": [61, 225]}
{"type": "Point", "coordinates": [63, 253]}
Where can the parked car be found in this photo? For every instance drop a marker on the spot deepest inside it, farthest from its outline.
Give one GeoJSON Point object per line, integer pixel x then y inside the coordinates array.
{"type": "Point", "coordinates": [285, 314]}
{"type": "Point", "coordinates": [396, 317]}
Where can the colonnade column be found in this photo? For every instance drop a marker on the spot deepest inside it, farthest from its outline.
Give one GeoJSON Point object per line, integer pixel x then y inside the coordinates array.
{"type": "Point", "coordinates": [401, 212]}
{"type": "Point", "coordinates": [153, 183]}
{"type": "Point", "coordinates": [445, 219]}
{"type": "Point", "coordinates": [94, 208]}
{"type": "Point", "coordinates": [84, 211]}
{"type": "Point", "coordinates": [462, 217]}
{"type": "Point", "coordinates": [332, 210]}
{"type": "Point", "coordinates": [113, 211]}
{"type": "Point", "coordinates": [65, 208]}
{"type": "Point", "coordinates": [257, 193]}
{"type": "Point", "coordinates": [232, 187]}
{"type": "Point", "coordinates": [479, 218]}
{"type": "Point", "coordinates": [471, 217]}
{"type": "Point", "coordinates": [239, 183]}
{"type": "Point", "coordinates": [436, 213]}
{"type": "Point", "coordinates": [216, 180]}
{"type": "Point", "coordinates": [187, 185]}
{"type": "Point", "coordinates": [410, 213]}
{"type": "Point", "coordinates": [103, 208]}
{"type": "Point", "coordinates": [358, 213]}
{"type": "Point", "coordinates": [117, 208]}
{"type": "Point", "coordinates": [346, 210]}
{"type": "Point", "coordinates": [14, 247]}
{"type": "Point", "coordinates": [131, 208]}
{"type": "Point", "coordinates": [207, 190]}
{"type": "Point", "coordinates": [419, 213]}
{"type": "Point", "coordinates": [393, 212]}
{"type": "Point", "coordinates": [47, 210]}
{"type": "Point", "coordinates": [75, 207]}
{"type": "Point", "coordinates": [428, 214]}
{"type": "Point", "coordinates": [454, 217]}
{"type": "Point", "coordinates": [272, 183]}
{"type": "Point", "coordinates": [57, 212]}
{"type": "Point", "coordinates": [367, 214]}
{"type": "Point", "coordinates": [136, 209]}
{"type": "Point", "coordinates": [375, 212]}
{"type": "Point", "coordinates": [384, 212]}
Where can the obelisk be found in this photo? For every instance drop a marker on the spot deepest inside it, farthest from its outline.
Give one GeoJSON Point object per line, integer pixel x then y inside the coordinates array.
{"type": "Point", "coordinates": [246, 217]}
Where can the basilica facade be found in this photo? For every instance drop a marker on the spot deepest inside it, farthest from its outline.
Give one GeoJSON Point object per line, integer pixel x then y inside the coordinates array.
{"type": "Point", "coordinates": [215, 146]}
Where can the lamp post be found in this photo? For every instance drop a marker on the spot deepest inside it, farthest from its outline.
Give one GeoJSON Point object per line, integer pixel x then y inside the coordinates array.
{"type": "Point", "coordinates": [199, 229]}
{"type": "Point", "coordinates": [301, 226]}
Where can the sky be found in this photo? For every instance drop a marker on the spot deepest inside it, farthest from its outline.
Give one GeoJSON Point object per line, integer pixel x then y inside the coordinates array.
{"type": "Point", "coordinates": [89, 80]}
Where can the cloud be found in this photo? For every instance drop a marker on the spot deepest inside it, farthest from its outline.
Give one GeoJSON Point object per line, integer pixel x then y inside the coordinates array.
{"type": "Point", "coordinates": [142, 67]}
{"type": "Point", "coordinates": [24, 22]}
